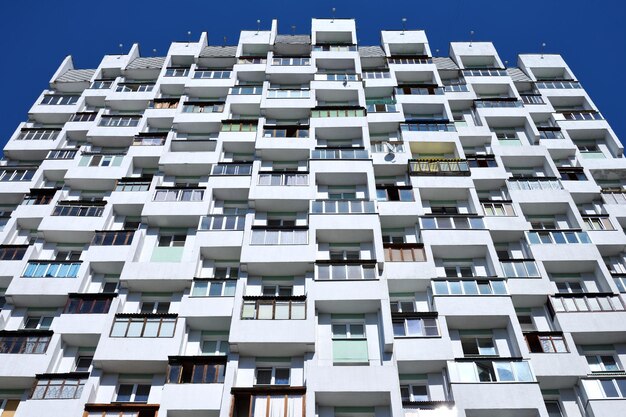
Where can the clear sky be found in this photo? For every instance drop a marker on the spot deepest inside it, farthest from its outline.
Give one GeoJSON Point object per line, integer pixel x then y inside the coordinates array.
{"type": "Point", "coordinates": [35, 36]}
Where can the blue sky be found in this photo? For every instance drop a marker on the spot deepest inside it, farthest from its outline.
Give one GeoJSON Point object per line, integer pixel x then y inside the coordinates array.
{"type": "Point", "coordinates": [36, 35]}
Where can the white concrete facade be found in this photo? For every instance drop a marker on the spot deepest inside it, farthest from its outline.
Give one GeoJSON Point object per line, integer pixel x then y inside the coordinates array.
{"type": "Point", "coordinates": [298, 225]}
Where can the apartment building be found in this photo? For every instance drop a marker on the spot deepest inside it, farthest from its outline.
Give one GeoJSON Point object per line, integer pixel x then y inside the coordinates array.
{"type": "Point", "coordinates": [298, 225]}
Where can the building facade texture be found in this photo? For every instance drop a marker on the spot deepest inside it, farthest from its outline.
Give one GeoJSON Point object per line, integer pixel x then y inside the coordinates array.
{"type": "Point", "coordinates": [298, 225]}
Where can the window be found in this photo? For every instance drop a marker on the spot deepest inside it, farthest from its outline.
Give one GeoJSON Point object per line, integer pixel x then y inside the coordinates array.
{"type": "Point", "coordinates": [272, 376]}
{"type": "Point", "coordinates": [214, 347]}
{"type": "Point", "coordinates": [603, 363]}
{"type": "Point", "coordinates": [461, 222]}
{"type": "Point", "coordinates": [294, 61]}
{"type": "Point", "coordinates": [83, 117]}
{"type": "Point", "coordinates": [554, 409]}
{"type": "Point", "coordinates": [283, 179]}
{"type": "Point", "coordinates": [101, 84]}
{"type": "Point", "coordinates": [12, 253]}
{"type": "Point", "coordinates": [572, 174]}
{"type": "Point", "coordinates": [83, 364]}
{"type": "Point", "coordinates": [193, 107]}
{"type": "Point", "coordinates": [59, 100]}
{"type": "Point", "coordinates": [339, 271]}
{"type": "Point", "coordinates": [469, 287]}
{"type": "Point", "coordinates": [113, 238]}
{"type": "Point", "coordinates": [16, 174]}
{"type": "Point", "coordinates": [498, 209]}
{"type": "Point", "coordinates": [143, 326]}
{"type": "Point", "coordinates": [61, 154]}
{"type": "Point", "coordinates": [77, 210]}
{"type": "Point", "coordinates": [48, 389]}
{"type": "Point", "coordinates": [176, 72]}
{"type": "Point", "coordinates": [38, 322]}
{"type": "Point", "coordinates": [214, 288]}
{"type": "Point", "coordinates": [415, 327]}
{"type": "Point", "coordinates": [87, 305]}
{"type": "Point", "coordinates": [478, 346]}
{"type": "Point", "coordinates": [597, 223]}
{"type": "Point", "coordinates": [132, 186]}
{"type": "Point", "coordinates": [38, 198]}
{"type": "Point", "coordinates": [349, 342]}
{"type": "Point", "coordinates": [171, 241]}
{"type": "Point", "coordinates": [154, 307]}
{"type": "Point", "coordinates": [399, 253]}
{"type": "Point", "coordinates": [247, 90]}
{"type": "Point", "coordinates": [519, 268]}
{"type": "Point", "coordinates": [475, 161]}
{"type": "Point", "coordinates": [557, 237]}
{"type": "Point", "coordinates": [279, 237]}
{"type": "Point", "coordinates": [338, 113]}
{"type": "Point", "coordinates": [414, 392]}
{"type": "Point", "coordinates": [194, 371]}
{"type": "Point", "coordinates": [202, 73]}
{"type": "Point", "coordinates": [459, 270]}
{"type": "Point", "coordinates": [286, 132]}
{"type": "Point", "coordinates": [570, 286]}
{"type": "Point", "coordinates": [403, 306]}
{"type": "Point", "coordinates": [137, 393]}
{"type": "Point", "coordinates": [51, 269]}
{"type": "Point", "coordinates": [239, 126]}
{"type": "Point", "coordinates": [185, 194]}
{"type": "Point", "coordinates": [613, 387]}
{"type": "Point", "coordinates": [119, 121]}
{"type": "Point", "coordinates": [494, 371]}
{"type": "Point", "coordinates": [38, 134]}
{"type": "Point", "coordinates": [546, 343]}
{"type": "Point", "coordinates": [232, 169]}
{"type": "Point", "coordinates": [275, 290]}
{"type": "Point", "coordinates": [133, 87]}
{"type": "Point", "coordinates": [394, 194]}
{"type": "Point", "coordinates": [24, 344]}
{"type": "Point", "coordinates": [274, 309]}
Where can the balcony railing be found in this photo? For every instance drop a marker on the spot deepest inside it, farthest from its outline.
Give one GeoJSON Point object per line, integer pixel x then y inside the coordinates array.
{"type": "Point", "coordinates": [339, 154]}
{"type": "Point", "coordinates": [410, 61]}
{"type": "Point", "coordinates": [525, 184]}
{"type": "Point", "coordinates": [324, 76]}
{"type": "Point", "coordinates": [586, 302]}
{"type": "Point", "coordinates": [520, 268]}
{"type": "Point", "coordinates": [51, 269]}
{"type": "Point", "coordinates": [274, 308]}
{"type": "Point", "coordinates": [419, 90]}
{"type": "Point", "coordinates": [342, 207]}
{"type": "Point", "coordinates": [222, 222]}
{"type": "Point", "coordinates": [438, 167]}
{"type": "Point", "coordinates": [557, 237]}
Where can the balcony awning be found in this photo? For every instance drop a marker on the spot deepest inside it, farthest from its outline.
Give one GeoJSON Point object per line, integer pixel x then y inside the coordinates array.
{"type": "Point", "coordinates": [371, 51]}
{"type": "Point", "coordinates": [73, 76]}
{"type": "Point", "coordinates": [293, 39]}
{"type": "Point", "coordinates": [518, 75]}
{"type": "Point", "coordinates": [218, 52]}
{"type": "Point", "coordinates": [147, 63]}
{"type": "Point", "coordinates": [445, 63]}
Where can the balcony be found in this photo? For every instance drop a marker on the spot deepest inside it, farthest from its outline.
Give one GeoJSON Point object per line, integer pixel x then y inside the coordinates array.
{"type": "Point", "coordinates": [572, 315]}
{"type": "Point", "coordinates": [439, 167]}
